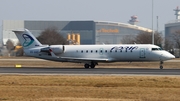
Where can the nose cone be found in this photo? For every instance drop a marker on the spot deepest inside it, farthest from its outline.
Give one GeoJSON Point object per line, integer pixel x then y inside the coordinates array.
{"type": "Point", "coordinates": [166, 56]}
{"type": "Point", "coordinates": [170, 56]}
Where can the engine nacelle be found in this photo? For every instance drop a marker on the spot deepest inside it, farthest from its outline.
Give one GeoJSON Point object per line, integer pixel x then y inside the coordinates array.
{"type": "Point", "coordinates": [57, 49]}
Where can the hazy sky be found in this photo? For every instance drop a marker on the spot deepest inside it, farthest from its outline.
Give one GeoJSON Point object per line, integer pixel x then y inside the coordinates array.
{"type": "Point", "coordinates": [103, 10]}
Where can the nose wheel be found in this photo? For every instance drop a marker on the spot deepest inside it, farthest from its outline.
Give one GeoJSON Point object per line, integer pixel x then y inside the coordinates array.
{"type": "Point", "coordinates": [161, 64]}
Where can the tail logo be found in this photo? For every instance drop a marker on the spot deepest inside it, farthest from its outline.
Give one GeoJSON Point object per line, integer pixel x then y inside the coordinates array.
{"type": "Point", "coordinates": [28, 40]}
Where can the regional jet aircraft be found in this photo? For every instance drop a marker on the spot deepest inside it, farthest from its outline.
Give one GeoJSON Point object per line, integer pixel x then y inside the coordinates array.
{"type": "Point", "coordinates": [91, 55]}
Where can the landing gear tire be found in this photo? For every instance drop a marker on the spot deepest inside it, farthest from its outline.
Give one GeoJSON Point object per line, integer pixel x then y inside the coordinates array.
{"type": "Point", "coordinates": [86, 65]}
{"type": "Point", "coordinates": [161, 65]}
{"type": "Point", "coordinates": [92, 66]}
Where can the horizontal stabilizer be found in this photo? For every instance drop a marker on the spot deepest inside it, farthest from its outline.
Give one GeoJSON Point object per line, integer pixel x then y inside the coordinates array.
{"type": "Point", "coordinates": [18, 30]}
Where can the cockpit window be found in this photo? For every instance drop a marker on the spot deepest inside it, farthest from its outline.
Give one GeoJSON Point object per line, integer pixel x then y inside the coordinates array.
{"type": "Point", "coordinates": [153, 49]}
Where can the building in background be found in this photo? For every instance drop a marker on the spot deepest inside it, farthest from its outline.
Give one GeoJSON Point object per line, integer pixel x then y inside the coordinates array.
{"type": "Point", "coordinates": [171, 28]}
{"type": "Point", "coordinates": [91, 32]}
{"type": "Point", "coordinates": [174, 25]}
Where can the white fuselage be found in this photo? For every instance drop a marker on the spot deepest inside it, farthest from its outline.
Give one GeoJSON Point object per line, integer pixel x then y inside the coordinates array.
{"type": "Point", "coordinates": [104, 53]}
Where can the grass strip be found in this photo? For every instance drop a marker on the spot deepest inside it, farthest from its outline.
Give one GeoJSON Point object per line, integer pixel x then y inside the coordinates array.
{"type": "Point", "coordinates": [89, 88]}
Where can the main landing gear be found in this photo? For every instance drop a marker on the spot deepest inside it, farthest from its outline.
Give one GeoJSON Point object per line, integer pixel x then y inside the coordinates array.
{"type": "Point", "coordinates": [161, 64]}
{"type": "Point", "coordinates": [91, 65]}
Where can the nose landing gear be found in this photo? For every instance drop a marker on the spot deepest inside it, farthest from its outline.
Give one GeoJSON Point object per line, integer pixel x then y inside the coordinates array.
{"type": "Point", "coordinates": [161, 64]}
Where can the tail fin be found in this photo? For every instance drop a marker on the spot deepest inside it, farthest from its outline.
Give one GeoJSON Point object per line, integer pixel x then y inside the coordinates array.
{"type": "Point", "coordinates": [26, 38]}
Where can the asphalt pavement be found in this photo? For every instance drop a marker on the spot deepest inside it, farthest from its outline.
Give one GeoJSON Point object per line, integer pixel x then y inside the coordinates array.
{"type": "Point", "coordinates": [83, 71]}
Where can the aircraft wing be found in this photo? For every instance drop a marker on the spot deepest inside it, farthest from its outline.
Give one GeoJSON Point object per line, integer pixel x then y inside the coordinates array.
{"type": "Point", "coordinates": [88, 59]}
{"type": "Point", "coordinates": [81, 59]}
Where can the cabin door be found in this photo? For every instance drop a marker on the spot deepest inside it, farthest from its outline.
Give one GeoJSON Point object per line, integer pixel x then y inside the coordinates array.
{"type": "Point", "coordinates": [142, 53]}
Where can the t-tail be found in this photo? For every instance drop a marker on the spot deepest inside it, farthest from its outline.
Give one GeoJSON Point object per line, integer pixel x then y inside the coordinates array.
{"type": "Point", "coordinates": [26, 39]}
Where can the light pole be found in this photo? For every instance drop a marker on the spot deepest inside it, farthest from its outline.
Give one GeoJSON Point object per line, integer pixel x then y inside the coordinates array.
{"type": "Point", "coordinates": [152, 24]}
{"type": "Point", "coordinates": [157, 24]}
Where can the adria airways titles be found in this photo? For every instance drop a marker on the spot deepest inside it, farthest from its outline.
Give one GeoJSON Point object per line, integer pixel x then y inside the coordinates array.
{"type": "Point", "coordinates": [91, 55]}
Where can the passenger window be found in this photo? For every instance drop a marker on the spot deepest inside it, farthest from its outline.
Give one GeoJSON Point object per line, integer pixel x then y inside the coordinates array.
{"type": "Point", "coordinates": [91, 51]}
{"type": "Point", "coordinates": [115, 50]}
{"type": "Point", "coordinates": [86, 51]}
{"type": "Point", "coordinates": [106, 51]}
{"type": "Point", "coordinates": [96, 51]}
{"type": "Point", "coordinates": [82, 51]}
{"type": "Point", "coordinates": [77, 51]}
{"type": "Point", "coordinates": [110, 50]}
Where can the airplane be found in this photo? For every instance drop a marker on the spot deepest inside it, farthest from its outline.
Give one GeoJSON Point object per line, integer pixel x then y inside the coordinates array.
{"type": "Point", "coordinates": [91, 55]}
